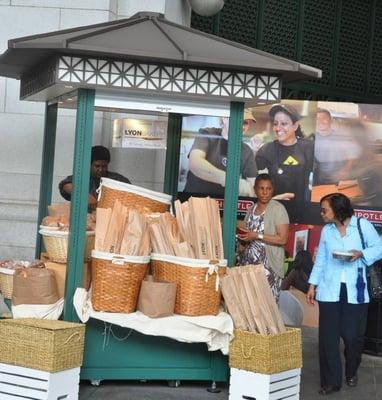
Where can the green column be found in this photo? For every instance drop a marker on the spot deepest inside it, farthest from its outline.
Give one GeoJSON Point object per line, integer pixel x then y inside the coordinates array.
{"type": "Point", "coordinates": [231, 192]}
{"type": "Point", "coordinates": [47, 164]}
{"type": "Point", "coordinates": [79, 200]}
{"type": "Point", "coordinates": [171, 174]}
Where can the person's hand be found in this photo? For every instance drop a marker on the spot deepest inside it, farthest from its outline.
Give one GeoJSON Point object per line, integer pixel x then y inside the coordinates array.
{"type": "Point", "coordinates": [356, 255]}
{"type": "Point", "coordinates": [247, 236]}
{"type": "Point", "coordinates": [284, 196]}
{"type": "Point", "coordinates": [310, 295]}
{"type": "Point", "coordinates": [244, 188]}
{"type": "Point", "coordinates": [92, 202]}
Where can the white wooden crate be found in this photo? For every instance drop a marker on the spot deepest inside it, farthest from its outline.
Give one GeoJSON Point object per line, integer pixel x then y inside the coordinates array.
{"type": "Point", "coordinates": [19, 383]}
{"type": "Point", "coordinates": [247, 385]}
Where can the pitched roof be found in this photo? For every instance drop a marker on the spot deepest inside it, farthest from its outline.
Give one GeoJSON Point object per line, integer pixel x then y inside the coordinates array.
{"type": "Point", "coordinates": [148, 37]}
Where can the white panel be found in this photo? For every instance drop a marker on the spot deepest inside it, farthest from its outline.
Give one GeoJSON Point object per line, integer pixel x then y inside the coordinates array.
{"type": "Point", "coordinates": [127, 8]}
{"type": "Point", "coordinates": [72, 18]}
{"type": "Point", "coordinates": [164, 104]}
{"type": "Point", "coordinates": [89, 4]}
{"type": "Point", "coordinates": [26, 21]}
{"type": "Point", "coordinates": [2, 94]}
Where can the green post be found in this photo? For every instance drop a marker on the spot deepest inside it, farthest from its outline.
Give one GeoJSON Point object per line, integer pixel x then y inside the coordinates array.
{"type": "Point", "coordinates": [79, 198]}
{"type": "Point", "coordinates": [171, 174]}
{"type": "Point", "coordinates": [231, 192]}
{"type": "Point", "coordinates": [47, 165]}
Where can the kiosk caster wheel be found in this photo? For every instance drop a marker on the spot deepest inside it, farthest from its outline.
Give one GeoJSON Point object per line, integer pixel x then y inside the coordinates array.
{"type": "Point", "coordinates": [173, 383]}
{"type": "Point", "coordinates": [95, 382]}
{"type": "Point", "coordinates": [213, 388]}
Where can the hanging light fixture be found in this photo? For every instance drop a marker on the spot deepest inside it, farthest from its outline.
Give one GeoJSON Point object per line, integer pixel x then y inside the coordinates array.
{"type": "Point", "coordinates": [206, 8]}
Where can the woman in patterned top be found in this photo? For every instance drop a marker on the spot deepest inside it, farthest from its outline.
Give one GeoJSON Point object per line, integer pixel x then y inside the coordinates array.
{"type": "Point", "coordinates": [266, 233]}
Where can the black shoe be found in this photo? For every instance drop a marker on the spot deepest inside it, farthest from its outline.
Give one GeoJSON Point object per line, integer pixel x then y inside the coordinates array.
{"type": "Point", "coordinates": [353, 381]}
{"type": "Point", "coordinates": [328, 389]}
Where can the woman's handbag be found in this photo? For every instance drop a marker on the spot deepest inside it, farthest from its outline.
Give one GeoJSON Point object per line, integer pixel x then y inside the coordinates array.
{"type": "Point", "coordinates": [373, 273]}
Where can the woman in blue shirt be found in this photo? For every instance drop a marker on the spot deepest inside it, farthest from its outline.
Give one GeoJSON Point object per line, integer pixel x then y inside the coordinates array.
{"type": "Point", "coordinates": [340, 288]}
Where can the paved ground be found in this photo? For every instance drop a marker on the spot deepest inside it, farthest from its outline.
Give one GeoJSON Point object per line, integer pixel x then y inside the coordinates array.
{"type": "Point", "coordinates": [369, 388]}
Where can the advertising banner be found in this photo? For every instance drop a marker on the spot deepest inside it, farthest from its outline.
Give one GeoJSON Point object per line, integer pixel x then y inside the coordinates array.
{"type": "Point", "coordinates": [139, 133]}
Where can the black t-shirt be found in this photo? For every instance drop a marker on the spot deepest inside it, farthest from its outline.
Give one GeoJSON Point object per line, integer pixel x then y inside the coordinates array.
{"type": "Point", "coordinates": [289, 166]}
{"type": "Point", "coordinates": [216, 153]}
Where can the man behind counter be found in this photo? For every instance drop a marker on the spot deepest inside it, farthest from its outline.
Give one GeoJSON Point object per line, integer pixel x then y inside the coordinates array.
{"type": "Point", "coordinates": [100, 158]}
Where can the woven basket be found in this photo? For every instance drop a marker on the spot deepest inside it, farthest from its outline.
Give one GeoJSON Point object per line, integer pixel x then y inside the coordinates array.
{"type": "Point", "coordinates": [41, 344]}
{"type": "Point", "coordinates": [56, 245]}
{"type": "Point", "coordinates": [116, 281]}
{"type": "Point", "coordinates": [137, 198]}
{"type": "Point", "coordinates": [266, 354]}
{"type": "Point", "coordinates": [6, 282]}
{"type": "Point", "coordinates": [197, 290]}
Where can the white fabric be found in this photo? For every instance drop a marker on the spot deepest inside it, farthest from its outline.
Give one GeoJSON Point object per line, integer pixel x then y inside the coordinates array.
{"type": "Point", "coordinates": [140, 191]}
{"type": "Point", "coordinates": [40, 311]}
{"type": "Point", "coordinates": [215, 331]}
{"type": "Point", "coordinates": [119, 258]}
{"type": "Point", "coordinates": [188, 262]}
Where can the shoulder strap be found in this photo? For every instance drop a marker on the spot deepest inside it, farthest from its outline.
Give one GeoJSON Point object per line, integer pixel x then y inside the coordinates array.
{"type": "Point", "coordinates": [360, 232]}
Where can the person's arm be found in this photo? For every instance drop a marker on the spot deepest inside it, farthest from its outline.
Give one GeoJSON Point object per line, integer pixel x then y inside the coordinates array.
{"type": "Point", "coordinates": [278, 239]}
{"type": "Point", "coordinates": [373, 243]}
{"type": "Point", "coordinates": [315, 276]}
{"type": "Point", "coordinates": [66, 188]}
{"type": "Point", "coordinates": [203, 169]}
{"type": "Point", "coordinates": [289, 280]}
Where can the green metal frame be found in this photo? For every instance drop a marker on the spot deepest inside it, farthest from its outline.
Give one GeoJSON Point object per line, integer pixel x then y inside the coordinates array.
{"type": "Point", "coordinates": [171, 173]}
{"type": "Point", "coordinates": [231, 192]}
{"type": "Point", "coordinates": [122, 353]}
{"type": "Point", "coordinates": [79, 198]}
{"type": "Point", "coordinates": [113, 352]}
{"type": "Point", "coordinates": [46, 178]}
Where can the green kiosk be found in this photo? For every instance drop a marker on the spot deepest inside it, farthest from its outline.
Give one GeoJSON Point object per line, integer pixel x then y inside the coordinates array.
{"type": "Point", "coordinates": [122, 62]}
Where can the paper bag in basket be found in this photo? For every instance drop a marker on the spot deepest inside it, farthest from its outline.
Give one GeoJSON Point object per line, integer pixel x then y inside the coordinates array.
{"type": "Point", "coordinates": [156, 299]}
{"type": "Point", "coordinates": [34, 286]}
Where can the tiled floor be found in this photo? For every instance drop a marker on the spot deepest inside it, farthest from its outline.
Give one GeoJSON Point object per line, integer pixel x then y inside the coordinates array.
{"type": "Point", "coordinates": [369, 387]}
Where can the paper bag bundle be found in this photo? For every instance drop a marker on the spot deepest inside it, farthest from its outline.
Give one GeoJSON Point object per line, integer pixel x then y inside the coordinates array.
{"type": "Point", "coordinates": [194, 233]}
{"type": "Point", "coordinates": [34, 286]}
{"type": "Point", "coordinates": [166, 238]}
{"type": "Point", "coordinates": [156, 299]}
{"type": "Point", "coordinates": [250, 302]}
{"type": "Point", "coordinates": [122, 231]}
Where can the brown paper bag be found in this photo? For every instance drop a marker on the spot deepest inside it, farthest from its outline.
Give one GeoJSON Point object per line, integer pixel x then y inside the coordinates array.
{"type": "Point", "coordinates": [156, 299]}
{"type": "Point", "coordinates": [34, 286]}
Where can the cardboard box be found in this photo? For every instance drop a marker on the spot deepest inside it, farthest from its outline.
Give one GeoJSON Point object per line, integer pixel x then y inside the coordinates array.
{"type": "Point", "coordinates": [60, 273]}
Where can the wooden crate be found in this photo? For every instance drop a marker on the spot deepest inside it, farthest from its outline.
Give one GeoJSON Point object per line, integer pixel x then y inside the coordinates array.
{"type": "Point", "coordinates": [254, 386]}
{"type": "Point", "coordinates": [19, 383]}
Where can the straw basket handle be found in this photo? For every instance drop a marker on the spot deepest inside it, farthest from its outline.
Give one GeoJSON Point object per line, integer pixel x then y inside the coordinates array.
{"type": "Point", "coordinates": [118, 260]}
{"type": "Point", "coordinates": [249, 355]}
{"type": "Point", "coordinates": [213, 269]}
{"type": "Point", "coordinates": [72, 336]}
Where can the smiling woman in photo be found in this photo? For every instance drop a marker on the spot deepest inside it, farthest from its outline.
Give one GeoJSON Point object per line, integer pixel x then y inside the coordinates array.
{"type": "Point", "coordinates": [289, 158]}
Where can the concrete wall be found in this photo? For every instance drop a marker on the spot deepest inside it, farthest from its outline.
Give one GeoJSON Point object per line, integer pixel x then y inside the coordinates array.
{"type": "Point", "coordinates": [21, 123]}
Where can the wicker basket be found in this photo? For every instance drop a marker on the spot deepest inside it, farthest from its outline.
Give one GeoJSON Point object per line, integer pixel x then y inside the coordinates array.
{"type": "Point", "coordinates": [116, 281]}
{"type": "Point", "coordinates": [197, 290]}
{"type": "Point", "coordinates": [56, 245]}
{"type": "Point", "coordinates": [134, 197]}
{"type": "Point", "coordinates": [41, 344]}
{"type": "Point", "coordinates": [6, 282]}
{"type": "Point", "coordinates": [266, 354]}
